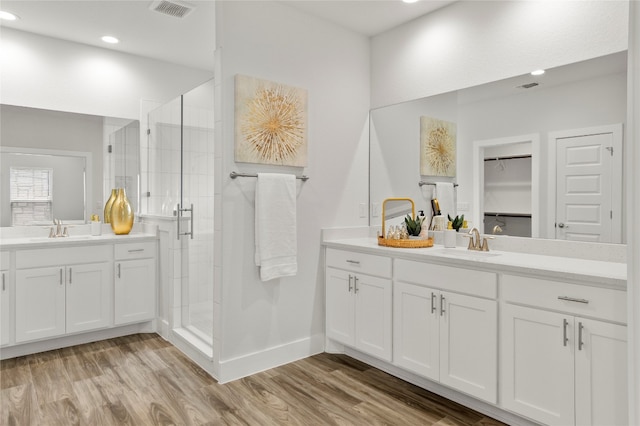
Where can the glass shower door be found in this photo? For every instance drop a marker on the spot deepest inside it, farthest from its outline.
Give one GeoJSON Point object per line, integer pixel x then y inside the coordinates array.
{"type": "Point", "coordinates": [180, 184]}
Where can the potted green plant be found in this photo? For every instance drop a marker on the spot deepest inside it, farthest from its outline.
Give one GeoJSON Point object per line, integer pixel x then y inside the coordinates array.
{"type": "Point", "coordinates": [457, 222]}
{"type": "Point", "coordinates": [414, 226]}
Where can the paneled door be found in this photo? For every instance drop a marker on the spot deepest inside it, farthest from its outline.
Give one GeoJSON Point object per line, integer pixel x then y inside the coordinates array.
{"type": "Point", "coordinates": [588, 179]}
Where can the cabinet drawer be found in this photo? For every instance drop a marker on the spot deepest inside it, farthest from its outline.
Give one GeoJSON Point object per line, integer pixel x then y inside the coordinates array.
{"type": "Point", "coordinates": [63, 256]}
{"type": "Point", "coordinates": [4, 260]}
{"type": "Point", "coordinates": [477, 283]}
{"type": "Point", "coordinates": [359, 262]}
{"type": "Point", "coordinates": [135, 250]}
{"type": "Point", "coordinates": [602, 303]}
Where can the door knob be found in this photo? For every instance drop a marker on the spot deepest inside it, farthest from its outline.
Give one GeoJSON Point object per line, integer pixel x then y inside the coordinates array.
{"type": "Point", "coordinates": [562, 225]}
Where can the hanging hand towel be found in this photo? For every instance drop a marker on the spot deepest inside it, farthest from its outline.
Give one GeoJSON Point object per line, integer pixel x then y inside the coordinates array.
{"type": "Point", "coordinates": [445, 195]}
{"type": "Point", "coordinates": [276, 237]}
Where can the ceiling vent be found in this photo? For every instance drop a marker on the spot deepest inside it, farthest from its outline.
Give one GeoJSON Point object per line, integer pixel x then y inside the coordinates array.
{"type": "Point", "coordinates": [173, 8]}
{"type": "Point", "coordinates": [528, 86]}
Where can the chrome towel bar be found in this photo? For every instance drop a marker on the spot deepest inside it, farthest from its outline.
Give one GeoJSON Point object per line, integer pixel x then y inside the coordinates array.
{"type": "Point", "coordinates": [234, 175]}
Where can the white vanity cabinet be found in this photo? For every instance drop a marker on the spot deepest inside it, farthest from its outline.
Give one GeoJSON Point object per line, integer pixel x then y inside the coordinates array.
{"type": "Point", "coordinates": [563, 352]}
{"type": "Point", "coordinates": [5, 299]}
{"type": "Point", "coordinates": [135, 282]}
{"type": "Point", "coordinates": [358, 301]}
{"type": "Point", "coordinates": [445, 325]}
{"type": "Point", "coordinates": [62, 290]}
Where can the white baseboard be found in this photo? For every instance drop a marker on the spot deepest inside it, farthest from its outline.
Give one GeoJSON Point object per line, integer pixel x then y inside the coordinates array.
{"type": "Point", "coordinates": [246, 365]}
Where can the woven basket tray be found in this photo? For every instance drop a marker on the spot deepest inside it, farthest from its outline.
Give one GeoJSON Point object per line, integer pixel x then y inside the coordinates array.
{"type": "Point", "coordinates": [406, 243]}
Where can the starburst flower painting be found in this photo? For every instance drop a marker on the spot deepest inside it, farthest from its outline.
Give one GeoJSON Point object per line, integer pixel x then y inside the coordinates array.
{"type": "Point", "coordinates": [270, 123]}
{"type": "Point", "coordinates": [437, 147]}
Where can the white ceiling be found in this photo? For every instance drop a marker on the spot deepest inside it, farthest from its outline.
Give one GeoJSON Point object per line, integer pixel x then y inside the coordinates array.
{"type": "Point", "coordinates": [190, 40]}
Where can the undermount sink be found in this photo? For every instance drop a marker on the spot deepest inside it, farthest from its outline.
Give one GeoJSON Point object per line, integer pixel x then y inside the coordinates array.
{"type": "Point", "coordinates": [469, 254]}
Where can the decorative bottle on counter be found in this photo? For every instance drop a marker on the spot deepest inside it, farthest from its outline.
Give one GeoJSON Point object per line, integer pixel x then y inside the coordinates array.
{"type": "Point", "coordinates": [121, 214]}
{"type": "Point", "coordinates": [108, 205]}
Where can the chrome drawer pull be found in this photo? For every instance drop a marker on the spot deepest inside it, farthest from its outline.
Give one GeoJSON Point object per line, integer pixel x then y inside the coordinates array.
{"type": "Point", "coordinates": [355, 284]}
{"type": "Point", "coordinates": [350, 278]}
{"type": "Point", "coordinates": [119, 270]}
{"type": "Point", "coordinates": [70, 276]}
{"type": "Point", "coordinates": [580, 342]}
{"type": "Point", "coordinates": [3, 280]}
{"type": "Point", "coordinates": [353, 262]}
{"type": "Point", "coordinates": [433, 302]}
{"type": "Point", "coordinates": [135, 250]}
{"type": "Point", "coordinates": [565, 339]}
{"type": "Point", "coordinates": [442, 311]}
{"type": "Point", "coordinates": [60, 276]}
{"type": "Point", "coordinates": [572, 299]}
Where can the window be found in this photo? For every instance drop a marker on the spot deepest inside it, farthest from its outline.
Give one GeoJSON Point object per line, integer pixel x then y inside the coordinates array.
{"type": "Point", "coordinates": [30, 195]}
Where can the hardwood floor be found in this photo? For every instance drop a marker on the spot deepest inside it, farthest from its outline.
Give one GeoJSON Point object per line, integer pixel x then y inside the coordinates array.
{"type": "Point", "coordinates": [144, 380]}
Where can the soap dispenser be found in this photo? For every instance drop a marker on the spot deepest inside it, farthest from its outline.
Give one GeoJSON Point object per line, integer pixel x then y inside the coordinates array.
{"type": "Point", "coordinates": [424, 230]}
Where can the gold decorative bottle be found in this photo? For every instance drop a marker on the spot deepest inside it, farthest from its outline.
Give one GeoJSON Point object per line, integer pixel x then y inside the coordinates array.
{"type": "Point", "coordinates": [108, 205]}
{"type": "Point", "coordinates": [121, 214]}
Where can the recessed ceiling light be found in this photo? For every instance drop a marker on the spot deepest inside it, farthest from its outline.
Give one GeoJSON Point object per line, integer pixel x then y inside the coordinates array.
{"type": "Point", "coordinates": [7, 16]}
{"type": "Point", "coordinates": [110, 39]}
{"type": "Point", "coordinates": [409, 1]}
{"type": "Point", "coordinates": [537, 72]}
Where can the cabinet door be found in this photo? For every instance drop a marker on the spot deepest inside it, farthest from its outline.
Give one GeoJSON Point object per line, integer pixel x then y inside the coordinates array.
{"type": "Point", "coordinates": [5, 318]}
{"type": "Point", "coordinates": [339, 306]}
{"type": "Point", "coordinates": [40, 303]}
{"type": "Point", "coordinates": [469, 345]}
{"type": "Point", "coordinates": [373, 315]}
{"type": "Point", "coordinates": [415, 329]}
{"type": "Point", "coordinates": [135, 291]}
{"type": "Point", "coordinates": [601, 373]}
{"type": "Point", "coordinates": [88, 296]}
{"type": "Point", "coordinates": [536, 364]}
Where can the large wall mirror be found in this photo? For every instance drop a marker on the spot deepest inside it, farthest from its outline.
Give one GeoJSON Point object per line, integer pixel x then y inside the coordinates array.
{"type": "Point", "coordinates": [61, 165]}
{"type": "Point", "coordinates": [516, 142]}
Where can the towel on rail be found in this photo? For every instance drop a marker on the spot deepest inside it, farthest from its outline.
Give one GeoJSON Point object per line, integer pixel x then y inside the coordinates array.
{"type": "Point", "coordinates": [446, 198]}
{"type": "Point", "coordinates": [276, 232]}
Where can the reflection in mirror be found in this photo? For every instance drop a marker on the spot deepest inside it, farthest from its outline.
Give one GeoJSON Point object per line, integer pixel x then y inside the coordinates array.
{"type": "Point", "coordinates": [576, 96]}
{"type": "Point", "coordinates": [394, 211]}
{"type": "Point", "coordinates": [55, 135]}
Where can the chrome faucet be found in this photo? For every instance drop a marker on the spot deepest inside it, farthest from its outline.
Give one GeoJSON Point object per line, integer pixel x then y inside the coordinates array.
{"type": "Point", "coordinates": [476, 242]}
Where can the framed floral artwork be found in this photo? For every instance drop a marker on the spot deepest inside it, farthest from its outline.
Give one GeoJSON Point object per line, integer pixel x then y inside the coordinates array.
{"type": "Point", "coordinates": [437, 147]}
{"type": "Point", "coordinates": [270, 122]}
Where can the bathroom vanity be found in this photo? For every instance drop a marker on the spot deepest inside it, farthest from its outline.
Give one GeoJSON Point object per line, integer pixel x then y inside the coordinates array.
{"type": "Point", "coordinates": [63, 291]}
{"type": "Point", "coordinates": [539, 337]}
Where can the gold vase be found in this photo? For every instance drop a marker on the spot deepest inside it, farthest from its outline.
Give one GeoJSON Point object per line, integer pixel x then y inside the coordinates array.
{"type": "Point", "coordinates": [108, 205]}
{"type": "Point", "coordinates": [121, 214]}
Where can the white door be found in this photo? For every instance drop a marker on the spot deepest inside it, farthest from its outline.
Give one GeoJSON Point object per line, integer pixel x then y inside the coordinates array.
{"type": "Point", "coordinates": [89, 289]}
{"type": "Point", "coordinates": [601, 373]}
{"type": "Point", "coordinates": [589, 186]}
{"type": "Point", "coordinates": [415, 329]}
{"type": "Point", "coordinates": [135, 291]}
{"type": "Point", "coordinates": [340, 305]}
{"type": "Point", "coordinates": [40, 303]}
{"type": "Point", "coordinates": [469, 345]}
{"type": "Point", "coordinates": [536, 364]}
{"type": "Point", "coordinates": [373, 315]}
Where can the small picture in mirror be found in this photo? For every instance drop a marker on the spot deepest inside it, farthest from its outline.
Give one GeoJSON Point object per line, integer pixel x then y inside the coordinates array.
{"type": "Point", "coordinates": [437, 147]}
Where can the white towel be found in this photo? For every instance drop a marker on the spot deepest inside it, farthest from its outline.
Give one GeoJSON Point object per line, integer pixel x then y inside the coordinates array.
{"type": "Point", "coordinates": [276, 237]}
{"type": "Point", "coordinates": [446, 199]}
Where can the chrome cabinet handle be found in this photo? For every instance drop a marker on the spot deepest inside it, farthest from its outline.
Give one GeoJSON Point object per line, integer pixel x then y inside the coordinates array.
{"type": "Point", "coordinates": [573, 299]}
{"type": "Point", "coordinates": [3, 282]}
{"type": "Point", "coordinates": [442, 300]}
{"type": "Point", "coordinates": [60, 276]}
{"type": "Point", "coordinates": [353, 262]}
{"type": "Point", "coordinates": [565, 339]}
{"type": "Point", "coordinates": [119, 269]}
{"type": "Point", "coordinates": [433, 302]}
{"type": "Point", "coordinates": [355, 284]}
{"type": "Point", "coordinates": [350, 286]}
{"type": "Point", "coordinates": [135, 250]}
{"type": "Point", "coordinates": [580, 342]}
{"type": "Point", "coordinates": [70, 276]}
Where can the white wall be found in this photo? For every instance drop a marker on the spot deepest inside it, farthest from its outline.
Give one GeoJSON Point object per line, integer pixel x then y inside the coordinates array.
{"type": "Point", "coordinates": [473, 42]}
{"type": "Point", "coordinates": [54, 74]}
{"type": "Point", "coordinates": [265, 324]}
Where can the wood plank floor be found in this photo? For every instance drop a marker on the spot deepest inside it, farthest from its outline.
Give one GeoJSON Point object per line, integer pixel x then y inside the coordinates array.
{"type": "Point", "coordinates": [144, 380]}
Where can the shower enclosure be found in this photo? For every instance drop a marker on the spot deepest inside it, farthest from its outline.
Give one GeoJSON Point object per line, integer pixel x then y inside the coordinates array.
{"type": "Point", "coordinates": [180, 189]}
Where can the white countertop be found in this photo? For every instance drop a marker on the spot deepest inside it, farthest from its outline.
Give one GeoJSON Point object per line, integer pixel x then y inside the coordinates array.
{"type": "Point", "coordinates": [82, 239]}
{"type": "Point", "coordinates": [590, 272]}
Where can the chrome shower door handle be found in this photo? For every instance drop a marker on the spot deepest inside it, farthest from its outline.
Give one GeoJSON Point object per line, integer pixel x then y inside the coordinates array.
{"type": "Point", "coordinates": [178, 216]}
{"type": "Point", "coordinates": [179, 212]}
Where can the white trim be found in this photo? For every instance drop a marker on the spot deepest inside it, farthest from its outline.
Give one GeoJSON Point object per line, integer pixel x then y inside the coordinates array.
{"type": "Point", "coordinates": [246, 365]}
{"type": "Point", "coordinates": [616, 176]}
{"type": "Point", "coordinates": [478, 176]}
